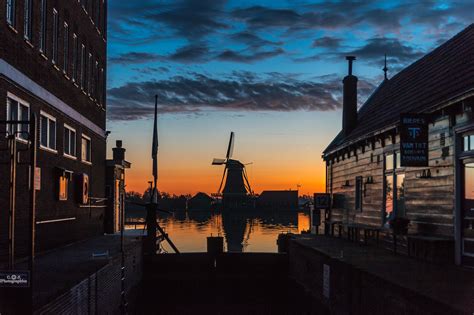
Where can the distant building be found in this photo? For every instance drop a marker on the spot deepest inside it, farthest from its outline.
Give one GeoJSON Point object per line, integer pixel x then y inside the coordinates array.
{"type": "Point", "coordinates": [115, 188]}
{"type": "Point", "coordinates": [278, 199]}
{"type": "Point", "coordinates": [200, 201]}
{"type": "Point", "coordinates": [371, 181]}
{"type": "Point", "coordinates": [53, 64]}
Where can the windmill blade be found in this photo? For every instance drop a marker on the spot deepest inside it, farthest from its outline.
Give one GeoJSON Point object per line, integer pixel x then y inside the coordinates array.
{"type": "Point", "coordinates": [218, 161]}
{"type": "Point", "coordinates": [230, 148]}
{"type": "Point", "coordinates": [247, 182]}
{"type": "Point", "coordinates": [222, 180]}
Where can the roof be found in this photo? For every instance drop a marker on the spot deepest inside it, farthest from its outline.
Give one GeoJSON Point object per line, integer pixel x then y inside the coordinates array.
{"type": "Point", "coordinates": [444, 74]}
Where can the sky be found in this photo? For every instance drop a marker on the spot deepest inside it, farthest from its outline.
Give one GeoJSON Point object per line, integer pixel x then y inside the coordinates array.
{"type": "Point", "coordinates": [270, 71]}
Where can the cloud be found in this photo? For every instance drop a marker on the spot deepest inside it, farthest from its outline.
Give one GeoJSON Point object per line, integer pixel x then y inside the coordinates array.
{"type": "Point", "coordinates": [191, 19]}
{"type": "Point", "coordinates": [230, 55]}
{"type": "Point", "coordinates": [327, 42]}
{"type": "Point", "coordinates": [134, 57]}
{"type": "Point", "coordinates": [152, 70]}
{"type": "Point", "coordinates": [398, 52]}
{"type": "Point", "coordinates": [239, 92]}
{"type": "Point", "coordinates": [190, 53]}
{"type": "Point", "coordinates": [252, 39]}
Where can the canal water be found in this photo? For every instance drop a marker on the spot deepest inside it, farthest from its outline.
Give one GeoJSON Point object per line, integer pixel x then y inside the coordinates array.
{"type": "Point", "coordinates": [255, 231]}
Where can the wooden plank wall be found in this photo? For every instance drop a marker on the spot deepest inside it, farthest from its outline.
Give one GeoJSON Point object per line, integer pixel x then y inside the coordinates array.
{"type": "Point", "coordinates": [429, 202]}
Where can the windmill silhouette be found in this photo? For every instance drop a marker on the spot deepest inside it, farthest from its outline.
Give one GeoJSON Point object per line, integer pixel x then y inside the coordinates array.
{"type": "Point", "coordinates": [237, 187]}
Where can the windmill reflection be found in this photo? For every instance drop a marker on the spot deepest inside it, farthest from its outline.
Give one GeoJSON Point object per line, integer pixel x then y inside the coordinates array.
{"type": "Point", "coordinates": [243, 231]}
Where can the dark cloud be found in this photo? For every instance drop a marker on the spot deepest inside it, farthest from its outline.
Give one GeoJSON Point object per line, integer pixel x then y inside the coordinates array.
{"type": "Point", "coordinates": [252, 39]}
{"type": "Point", "coordinates": [152, 70]}
{"type": "Point", "coordinates": [181, 94]}
{"type": "Point", "coordinates": [230, 55]}
{"type": "Point", "coordinates": [327, 42]}
{"type": "Point", "coordinates": [134, 57]}
{"type": "Point", "coordinates": [191, 19]}
{"type": "Point", "coordinates": [190, 53]}
{"type": "Point", "coordinates": [398, 52]}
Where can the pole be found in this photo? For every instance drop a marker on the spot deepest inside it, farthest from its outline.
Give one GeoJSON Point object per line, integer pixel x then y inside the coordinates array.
{"type": "Point", "coordinates": [11, 216]}
{"type": "Point", "coordinates": [32, 230]}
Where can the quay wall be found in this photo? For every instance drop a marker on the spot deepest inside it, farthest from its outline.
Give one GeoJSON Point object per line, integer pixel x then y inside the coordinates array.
{"type": "Point", "coordinates": [100, 293]}
{"type": "Point", "coordinates": [346, 289]}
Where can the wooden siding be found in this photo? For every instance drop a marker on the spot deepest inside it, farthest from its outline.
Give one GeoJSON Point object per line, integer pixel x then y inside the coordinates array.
{"type": "Point", "coordinates": [429, 202]}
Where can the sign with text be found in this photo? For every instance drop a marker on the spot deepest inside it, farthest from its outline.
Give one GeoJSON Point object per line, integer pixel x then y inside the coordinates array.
{"type": "Point", "coordinates": [322, 201]}
{"type": "Point", "coordinates": [37, 178]}
{"type": "Point", "coordinates": [414, 140]}
{"type": "Point", "coordinates": [14, 278]}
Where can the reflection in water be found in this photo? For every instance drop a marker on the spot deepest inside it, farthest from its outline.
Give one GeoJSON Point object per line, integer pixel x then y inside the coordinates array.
{"type": "Point", "coordinates": [243, 231]}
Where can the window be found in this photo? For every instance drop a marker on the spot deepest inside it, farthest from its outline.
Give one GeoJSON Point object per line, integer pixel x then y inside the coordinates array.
{"type": "Point", "coordinates": [47, 132]}
{"type": "Point", "coordinates": [18, 109]}
{"type": "Point", "coordinates": [66, 49]}
{"type": "Point", "coordinates": [358, 193]}
{"type": "Point", "coordinates": [89, 74]}
{"type": "Point", "coordinates": [69, 141]}
{"type": "Point", "coordinates": [74, 57]}
{"type": "Point", "coordinates": [27, 20]}
{"type": "Point", "coordinates": [83, 66]}
{"type": "Point", "coordinates": [86, 149]}
{"type": "Point", "coordinates": [11, 9]}
{"type": "Point", "coordinates": [394, 187]}
{"type": "Point", "coordinates": [63, 187]}
{"type": "Point", "coordinates": [42, 42]}
{"type": "Point", "coordinates": [468, 143]}
{"type": "Point", "coordinates": [55, 36]}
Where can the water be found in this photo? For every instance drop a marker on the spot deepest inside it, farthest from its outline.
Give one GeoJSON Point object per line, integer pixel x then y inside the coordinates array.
{"type": "Point", "coordinates": [255, 231]}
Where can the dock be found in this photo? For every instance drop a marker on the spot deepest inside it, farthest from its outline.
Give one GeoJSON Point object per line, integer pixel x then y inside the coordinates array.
{"type": "Point", "coordinates": [353, 278]}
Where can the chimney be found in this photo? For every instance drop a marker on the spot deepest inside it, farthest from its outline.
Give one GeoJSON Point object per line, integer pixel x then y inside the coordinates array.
{"type": "Point", "coordinates": [349, 102]}
{"type": "Point", "coordinates": [118, 152]}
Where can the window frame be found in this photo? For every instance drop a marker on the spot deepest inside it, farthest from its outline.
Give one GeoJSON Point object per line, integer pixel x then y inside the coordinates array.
{"type": "Point", "coordinates": [27, 20]}
{"type": "Point", "coordinates": [83, 66]}
{"type": "Point", "coordinates": [43, 26]}
{"type": "Point", "coordinates": [75, 51]}
{"type": "Point", "coordinates": [68, 154]}
{"type": "Point", "coordinates": [65, 48]}
{"type": "Point", "coordinates": [49, 119]}
{"type": "Point", "coordinates": [55, 39]}
{"type": "Point", "coordinates": [20, 102]}
{"type": "Point", "coordinates": [395, 172]}
{"type": "Point", "coordinates": [86, 161]}
{"type": "Point", "coordinates": [10, 13]}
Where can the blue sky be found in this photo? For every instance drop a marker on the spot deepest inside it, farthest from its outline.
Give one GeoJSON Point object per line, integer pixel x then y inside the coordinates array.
{"type": "Point", "coordinates": [270, 71]}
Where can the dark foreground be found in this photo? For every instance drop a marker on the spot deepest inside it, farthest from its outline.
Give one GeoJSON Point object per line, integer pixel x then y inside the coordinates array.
{"type": "Point", "coordinates": [251, 283]}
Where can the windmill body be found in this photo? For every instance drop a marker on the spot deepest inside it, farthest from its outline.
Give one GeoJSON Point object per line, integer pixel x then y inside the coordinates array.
{"type": "Point", "coordinates": [237, 192]}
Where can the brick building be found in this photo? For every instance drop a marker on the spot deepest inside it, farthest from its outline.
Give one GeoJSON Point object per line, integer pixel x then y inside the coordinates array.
{"type": "Point", "coordinates": [53, 64]}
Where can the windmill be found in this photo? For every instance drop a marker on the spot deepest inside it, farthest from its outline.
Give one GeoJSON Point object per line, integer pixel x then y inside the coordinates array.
{"type": "Point", "coordinates": [237, 187]}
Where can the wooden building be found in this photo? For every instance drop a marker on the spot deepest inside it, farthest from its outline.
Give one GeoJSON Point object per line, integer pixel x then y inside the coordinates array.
{"type": "Point", "coordinates": [53, 65]}
{"type": "Point", "coordinates": [365, 176]}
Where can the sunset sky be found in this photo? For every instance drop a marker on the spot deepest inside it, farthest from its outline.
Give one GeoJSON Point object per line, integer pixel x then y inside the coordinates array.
{"type": "Point", "coordinates": [270, 71]}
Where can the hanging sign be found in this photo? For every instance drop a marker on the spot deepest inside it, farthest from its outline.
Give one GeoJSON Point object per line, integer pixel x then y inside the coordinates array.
{"type": "Point", "coordinates": [321, 200]}
{"type": "Point", "coordinates": [414, 140]}
{"type": "Point", "coordinates": [14, 279]}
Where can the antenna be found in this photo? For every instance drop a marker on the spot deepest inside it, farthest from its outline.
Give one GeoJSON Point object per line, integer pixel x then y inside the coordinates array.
{"type": "Point", "coordinates": [385, 69]}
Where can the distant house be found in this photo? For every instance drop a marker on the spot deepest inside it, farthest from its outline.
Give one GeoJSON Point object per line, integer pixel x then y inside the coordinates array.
{"type": "Point", "coordinates": [278, 199]}
{"type": "Point", "coordinates": [200, 201]}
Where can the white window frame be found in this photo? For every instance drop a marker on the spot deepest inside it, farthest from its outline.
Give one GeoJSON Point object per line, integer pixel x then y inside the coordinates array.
{"type": "Point", "coordinates": [73, 155]}
{"type": "Point", "coordinates": [43, 26]}
{"type": "Point", "coordinates": [83, 136]}
{"type": "Point", "coordinates": [75, 53]}
{"type": "Point", "coordinates": [20, 102]}
{"type": "Point", "coordinates": [50, 118]}
{"type": "Point", "coordinates": [66, 48]}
